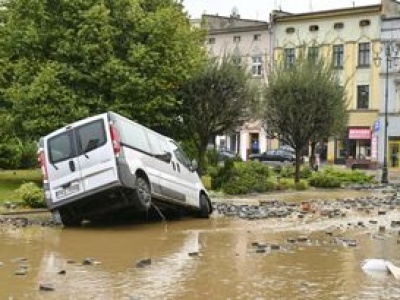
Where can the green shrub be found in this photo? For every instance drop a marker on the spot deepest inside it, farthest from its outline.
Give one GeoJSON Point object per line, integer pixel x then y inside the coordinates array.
{"type": "Point", "coordinates": [289, 172]}
{"type": "Point", "coordinates": [31, 195]}
{"type": "Point", "coordinates": [323, 180]}
{"type": "Point", "coordinates": [221, 174]}
{"type": "Point", "coordinates": [306, 172]}
{"type": "Point", "coordinates": [301, 185]}
{"type": "Point", "coordinates": [349, 176]}
{"type": "Point", "coordinates": [242, 177]}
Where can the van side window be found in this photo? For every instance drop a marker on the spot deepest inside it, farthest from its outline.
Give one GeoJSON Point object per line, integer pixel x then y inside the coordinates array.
{"type": "Point", "coordinates": [134, 136]}
{"type": "Point", "coordinates": [91, 136]}
{"type": "Point", "coordinates": [60, 147]}
{"type": "Point", "coordinates": [155, 143]}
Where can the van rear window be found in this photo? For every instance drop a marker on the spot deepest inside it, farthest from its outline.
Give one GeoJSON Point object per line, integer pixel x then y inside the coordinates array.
{"type": "Point", "coordinates": [60, 147]}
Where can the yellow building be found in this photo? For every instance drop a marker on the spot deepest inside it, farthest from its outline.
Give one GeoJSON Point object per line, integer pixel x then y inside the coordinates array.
{"type": "Point", "coordinates": [350, 38]}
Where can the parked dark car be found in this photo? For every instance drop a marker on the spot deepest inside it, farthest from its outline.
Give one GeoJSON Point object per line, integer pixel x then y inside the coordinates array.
{"type": "Point", "coordinates": [274, 157]}
{"type": "Point", "coordinates": [224, 154]}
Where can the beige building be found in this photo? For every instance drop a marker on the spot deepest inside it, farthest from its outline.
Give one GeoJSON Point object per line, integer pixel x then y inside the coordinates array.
{"type": "Point", "coordinates": [249, 43]}
{"type": "Point", "coordinates": [350, 38]}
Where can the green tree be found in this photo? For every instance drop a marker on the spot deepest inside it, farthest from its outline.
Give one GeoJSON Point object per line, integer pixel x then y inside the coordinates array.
{"type": "Point", "coordinates": [216, 100]}
{"type": "Point", "coordinates": [66, 59]}
{"type": "Point", "coordinates": [304, 103]}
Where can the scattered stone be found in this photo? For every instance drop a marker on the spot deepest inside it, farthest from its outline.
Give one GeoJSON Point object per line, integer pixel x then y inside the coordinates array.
{"type": "Point", "coordinates": [21, 272]}
{"type": "Point", "coordinates": [382, 229]}
{"type": "Point", "coordinates": [143, 263]}
{"type": "Point", "coordinates": [373, 221]}
{"type": "Point", "coordinates": [193, 254]}
{"type": "Point", "coordinates": [71, 261]}
{"type": "Point", "coordinates": [19, 259]}
{"type": "Point", "coordinates": [351, 243]}
{"type": "Point", "coordinates": [62, 272]}
{"type": "Point", "coordinates": [1, 264]}
{"type": "Point", "coordinates": [291, 240]}
{"type": "Point", "coordinates": [88, 261]}
{"type": "Point", "coordinates": [302, 239]}
{"type": "Point", "coordinates": [381, 213]}
{"type": "Point", "coordinates": [46, 287]}
{"type": "Point", "coordinates": [261, 250]}
{"type": "Point", "coordinates": [275, 247]}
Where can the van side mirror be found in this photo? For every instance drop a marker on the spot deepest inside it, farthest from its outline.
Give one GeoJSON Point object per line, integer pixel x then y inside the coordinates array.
{"type": "Point", "coordinates": [194, 165]}
{"type": "Point", "coordinates": [167, 156]}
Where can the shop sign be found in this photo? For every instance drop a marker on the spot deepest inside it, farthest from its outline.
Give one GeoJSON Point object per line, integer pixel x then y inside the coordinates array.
{"type": "Point", "coordinates": [359, 133]}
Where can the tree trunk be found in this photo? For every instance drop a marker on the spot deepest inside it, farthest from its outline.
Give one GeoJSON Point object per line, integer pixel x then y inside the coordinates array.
{"type": "Point", "coordinates": [298, 163]}
{"type": "Point", "coordinates": [312, 155]}
{"type": "Point", "coordinates": [202, 149]}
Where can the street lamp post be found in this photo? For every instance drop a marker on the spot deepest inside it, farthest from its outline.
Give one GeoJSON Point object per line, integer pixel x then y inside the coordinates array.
{"type": "Point", "coordinates": [388, 53]}
{"type": "Point", "coordinates": [384, 178]}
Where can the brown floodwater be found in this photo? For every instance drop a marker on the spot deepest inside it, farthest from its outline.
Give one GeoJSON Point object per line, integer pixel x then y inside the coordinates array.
{"type": "Point", "coordinates": [201, 259]}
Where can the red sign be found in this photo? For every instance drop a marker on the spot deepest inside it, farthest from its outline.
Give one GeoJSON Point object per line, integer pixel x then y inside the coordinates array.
{"type": "Point", "coordinates": [359, 133]}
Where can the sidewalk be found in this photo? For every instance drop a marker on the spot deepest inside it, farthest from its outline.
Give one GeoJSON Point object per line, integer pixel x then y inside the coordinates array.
{"type": "Point", "coordinates": [393, 175]}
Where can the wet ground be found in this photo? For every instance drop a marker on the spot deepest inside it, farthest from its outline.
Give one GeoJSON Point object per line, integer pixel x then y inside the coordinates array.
{"type": "Point", "coordinates": [313, 252]}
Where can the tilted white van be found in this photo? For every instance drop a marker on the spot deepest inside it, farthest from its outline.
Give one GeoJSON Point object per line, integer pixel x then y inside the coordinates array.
{"type": "Point", "coordinates": [105, 163]}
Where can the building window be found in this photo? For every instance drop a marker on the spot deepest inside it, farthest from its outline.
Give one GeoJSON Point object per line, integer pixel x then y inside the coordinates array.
{"type": "Point", "coordinates": [313, 28]}
{"type": "Point", "coordinates": [289, 57]}
{"type": "Point", "coordinates": [364, 54]}
{"type": "Point", "coordinates": [338, 25]}
{"type": "Point", "coordinates": [256, 67]}
{"type": "Point", "coordinates": [290, 30]}
{"type": "Point", "coordinates": [211, 41]}
{"type": "Point", "coordinates": [257, 37]}
{"type": "Point", "coordinates": [364, 23]}
{"type": "Point", "coordinates": [313, 54]}
{"type": "Point", "coordinates": [338, 53]}
{"type": "Point", "coordinates": [236, 39]}
{"type": "Point", "coordinates": [362, 96]}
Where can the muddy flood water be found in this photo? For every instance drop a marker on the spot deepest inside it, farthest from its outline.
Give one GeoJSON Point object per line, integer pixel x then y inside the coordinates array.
{"type": "Point", "coordinates": [315, 256]}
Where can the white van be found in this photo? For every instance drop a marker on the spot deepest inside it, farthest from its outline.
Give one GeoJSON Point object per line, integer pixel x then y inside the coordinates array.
{"type": "Point", "coordinates": [106, 163]}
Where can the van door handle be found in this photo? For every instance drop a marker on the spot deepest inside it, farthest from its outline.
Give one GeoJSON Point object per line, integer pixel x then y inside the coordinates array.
{"type": "Point", "coordinates": [178, 167]}
{"type": "Point", "coordinates": [72, 166]}
{"type": "Point", "coordinates": [173, 166]}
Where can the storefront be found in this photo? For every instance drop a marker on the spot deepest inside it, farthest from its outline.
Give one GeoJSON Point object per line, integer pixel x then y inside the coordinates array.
{"type": "Point", "coordinates": [356, 145]}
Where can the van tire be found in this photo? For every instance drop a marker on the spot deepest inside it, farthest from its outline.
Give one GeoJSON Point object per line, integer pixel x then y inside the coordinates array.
{"type": "Point", "coordinates": [205, 209]}
{"type": "Point", "coordinates": [68, 219]}
{"type": "Point", "coordinates": [143, 192]}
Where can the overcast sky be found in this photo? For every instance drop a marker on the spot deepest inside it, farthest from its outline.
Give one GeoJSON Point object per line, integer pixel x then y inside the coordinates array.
{"type": "Point", "coordinates": [260, 9]}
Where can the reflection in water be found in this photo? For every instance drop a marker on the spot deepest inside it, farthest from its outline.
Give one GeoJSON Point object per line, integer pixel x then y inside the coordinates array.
{"type": "Point", "coordinates": [228, 266]}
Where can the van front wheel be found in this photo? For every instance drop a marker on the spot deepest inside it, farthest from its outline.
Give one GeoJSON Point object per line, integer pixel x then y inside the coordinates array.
{"type": "Point", "coordinates": [205, 209]}
{"type": "Point", "coordinates": [143, 192]}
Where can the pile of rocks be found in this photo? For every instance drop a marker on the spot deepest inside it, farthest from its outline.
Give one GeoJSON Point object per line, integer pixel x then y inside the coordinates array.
{"type": "Point", "coordinates": [331, 208]}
